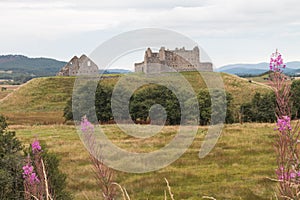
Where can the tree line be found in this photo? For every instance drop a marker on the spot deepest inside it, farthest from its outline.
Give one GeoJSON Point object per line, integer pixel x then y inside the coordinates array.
{"type": "Point", "coordinates": [150, 100]}
{"type": "Point", "coordinates": [144, 101]}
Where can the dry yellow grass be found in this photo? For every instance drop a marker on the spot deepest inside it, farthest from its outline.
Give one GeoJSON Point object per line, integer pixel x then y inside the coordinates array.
{"type": "Point", "coordinates": [9, 89]}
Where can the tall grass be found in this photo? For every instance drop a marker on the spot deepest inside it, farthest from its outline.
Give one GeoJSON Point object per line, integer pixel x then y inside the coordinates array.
{"type": "Point", "coordinates": [237, 168]}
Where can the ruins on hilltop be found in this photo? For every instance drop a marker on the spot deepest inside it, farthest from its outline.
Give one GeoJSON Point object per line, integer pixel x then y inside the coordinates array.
{"type": "Point", "coordinates": [177, 60]}
{"type": "Point", "coordinates": [83, 65]}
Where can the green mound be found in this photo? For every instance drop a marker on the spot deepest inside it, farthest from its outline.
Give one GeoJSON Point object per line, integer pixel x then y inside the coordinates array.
{"type": "Point", "coordinates": [42, 100]}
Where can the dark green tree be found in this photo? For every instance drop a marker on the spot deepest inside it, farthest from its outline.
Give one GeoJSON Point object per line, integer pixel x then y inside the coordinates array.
{"type": "Point", "coordinates": [68, 114]}
{"type": "Point", "coordinates": [295, 98]}
{"type": "Point", "coordinates": [11, 182]}
{"type": "Point", "coordinates": [146, 97]}
{"type": "Point", "coordinates": [204, 106]}
{"type": "Point", "coordinates": [260, 109]}
{"type": "Point", "coordinates": [222, 107]}
{"type": "Point", "coordinates": [103, 102]}
{"type": "Point", "coordinates": [246, 112]}
{"type": "Point", "coordinates": [82, 102]}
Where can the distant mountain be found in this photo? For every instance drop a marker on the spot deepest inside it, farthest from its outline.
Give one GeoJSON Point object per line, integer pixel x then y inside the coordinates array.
{"type": "Point", "coordinates": [115, 71]}
{"type": "Point", "coordinates": [255, 69]}
{"type": "Point", "coordinates": [37, 66]}
{"type": "Point", "coordinates": [32, 66]}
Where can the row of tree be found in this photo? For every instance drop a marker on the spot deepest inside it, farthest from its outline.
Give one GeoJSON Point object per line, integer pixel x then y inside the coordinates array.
{"type": "Point", "coordinates": [262, 106]}
{"type": "Point", "coordinates": [150, 103]}
{"type": "Point", "coordinates": [158, 102]}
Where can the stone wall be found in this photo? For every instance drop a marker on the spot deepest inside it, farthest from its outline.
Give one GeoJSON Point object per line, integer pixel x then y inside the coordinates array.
{"type": "Point", "coordinates": [76, 66]}
{"type": "Point", "coordinates": [172, 60]}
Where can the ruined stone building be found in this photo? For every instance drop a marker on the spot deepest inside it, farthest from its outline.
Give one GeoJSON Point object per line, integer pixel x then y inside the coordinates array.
{"type": "Point", "coordinates": [82, 65]}
{"type": "Point", "coordinates": [172, 60]}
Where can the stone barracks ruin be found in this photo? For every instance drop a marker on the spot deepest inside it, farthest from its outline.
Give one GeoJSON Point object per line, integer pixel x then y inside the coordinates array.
{"type": "Point", "coordinates": [172, 60]}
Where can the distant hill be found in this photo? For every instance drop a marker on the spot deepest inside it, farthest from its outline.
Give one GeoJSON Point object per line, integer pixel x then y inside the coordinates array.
{"type": "Point", "coordinates": [22, 68]}
{"type": "Point", "coordinates": [19, 67]}
{"type": "Point", "coordinates": [35, 66]}
{"type": "Point", "coordinates": [256, 69]}
{"type": "Point", "coordinates": [115, 71]}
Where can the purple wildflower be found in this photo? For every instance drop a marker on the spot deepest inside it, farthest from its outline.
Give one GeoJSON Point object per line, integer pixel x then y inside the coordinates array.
{"type": "Point", "coordinates": [86, 126]}
{"type": "Point", "coordinates": [280, 173]}
{"type": "Point", "coordinates": [293, 175]}
{"type": "Point", "coordinates": [276, 62]}
{"type": "Point", "coordinates": [29, 174]}
{"type": "Point", "coordinates": [27, 169]}
{"type": "Point", "coordinates": [284, 123]}
{"type": "Point", "coordinates": [36, 147]}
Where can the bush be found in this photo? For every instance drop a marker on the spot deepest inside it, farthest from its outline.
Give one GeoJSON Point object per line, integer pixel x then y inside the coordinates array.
{"type": "Point", "coordinates": [145, 98]}
{"type": "Point", "coordinates": [11, 183]}
{"type": "Point", "coordinates": [56, 179]}
{"type": "Point", "coordinates": [260, 109]}
{"type": "Point", "coordinates": [222, 100]}
{"type": "Point", "coordinates": [68, 114]}
{"type": "Point", "coordinates": [295, 98]}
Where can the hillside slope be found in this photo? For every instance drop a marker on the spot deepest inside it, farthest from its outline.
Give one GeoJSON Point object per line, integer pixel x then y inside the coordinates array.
{"type": "Point", "coordinates": [241, 89]}
{"type": "Point", "coordinates": [42, 100]}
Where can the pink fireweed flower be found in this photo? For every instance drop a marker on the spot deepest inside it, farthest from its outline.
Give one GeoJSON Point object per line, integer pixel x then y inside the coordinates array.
{"type": "Point", "coordinates": [293, 175]}
{"type": "Point", "coordinates": [86, 126]}
{"type": "Point", "coordinates": [27, 169]}
{"type": "Point", "coordinates": [281, 175]}
{"type": "Point", "coordinates": [29, 175]}
{"type": "Point", "coordinates": [36, 147]}
{"type": "Point", "coordinates": [284, 123]}
{"type": "Point", "coordinates": [276, 62]}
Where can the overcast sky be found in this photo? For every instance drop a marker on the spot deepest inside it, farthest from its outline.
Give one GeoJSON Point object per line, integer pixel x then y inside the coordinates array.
{"type": "Point", "coordinates": [230, 31]}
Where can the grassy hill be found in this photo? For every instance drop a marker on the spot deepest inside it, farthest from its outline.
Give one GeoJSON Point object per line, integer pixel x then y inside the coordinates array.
{"type": "Point", "coordinates": [240, 88]}
{"type": "Point", "coordinates": [7, 89]}
{"type": "Point", "coordinates": [42, 100]}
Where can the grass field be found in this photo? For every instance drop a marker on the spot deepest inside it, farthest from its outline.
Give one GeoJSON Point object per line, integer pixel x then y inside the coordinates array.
{"type": "Point", "coordinates": [42, 100]}
{"type": "Point", "coordinates": [9, 89]}
{"type": "Point", "coordinates": [237, 168]}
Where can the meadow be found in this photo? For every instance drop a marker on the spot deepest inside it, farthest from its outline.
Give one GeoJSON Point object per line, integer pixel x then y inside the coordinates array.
{"type": "Point", "coordinates": [7, 89]}
{"type": "Point", "coordinates": [239, 166]}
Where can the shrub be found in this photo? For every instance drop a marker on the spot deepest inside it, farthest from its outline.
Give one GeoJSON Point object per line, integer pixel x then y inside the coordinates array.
{"type": "Point", "coordinates": [222, 101]}
{"type": "Point", "coordinates": [143, 99]}
{"type": "Point", "coordinates": [46, 174]}
{"type": "Point", "coordinates": [11, 184]}
{"type": "Point", "coordinates": [260, 109]}
{"type": "Point", "coordinates": [295, 98]}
